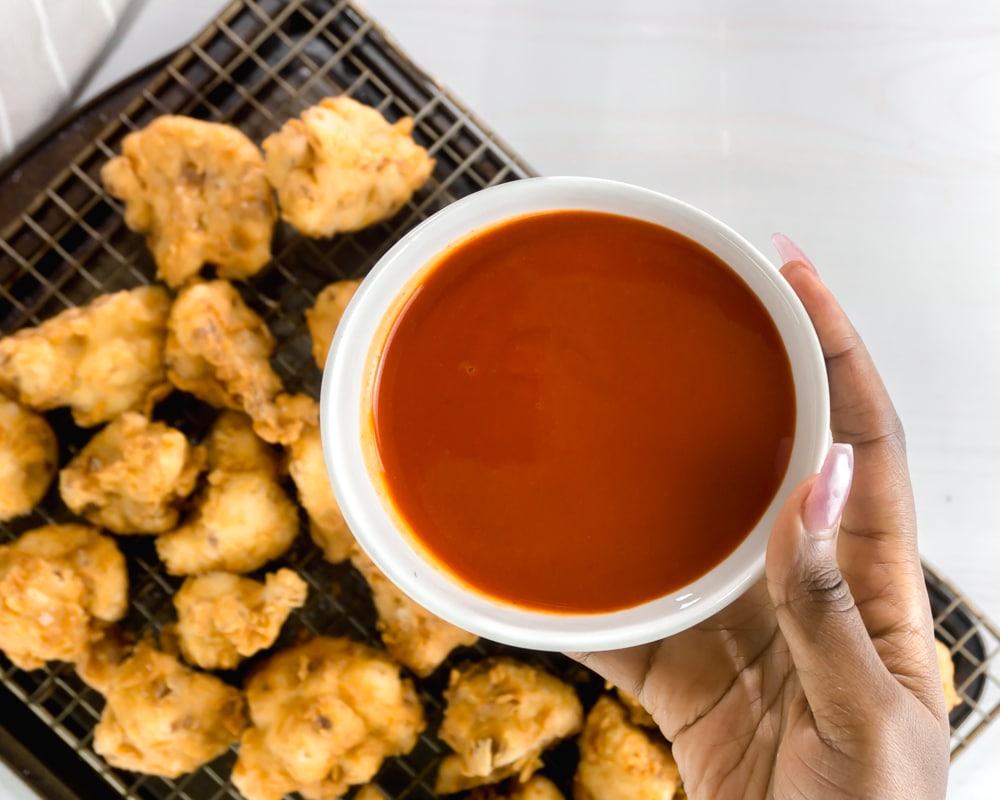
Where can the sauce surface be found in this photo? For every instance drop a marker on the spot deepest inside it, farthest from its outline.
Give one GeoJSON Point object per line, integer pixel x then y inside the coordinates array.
{"type": "Point", "coordinates": [579, 412]}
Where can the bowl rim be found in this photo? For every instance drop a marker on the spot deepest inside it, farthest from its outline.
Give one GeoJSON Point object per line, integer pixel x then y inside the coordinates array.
{"type": "Point", "coordinates": [353, 356]}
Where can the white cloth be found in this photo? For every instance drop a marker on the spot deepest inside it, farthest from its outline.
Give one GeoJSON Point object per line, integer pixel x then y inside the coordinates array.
{"type": "Point", "coordinates": [46, 48]}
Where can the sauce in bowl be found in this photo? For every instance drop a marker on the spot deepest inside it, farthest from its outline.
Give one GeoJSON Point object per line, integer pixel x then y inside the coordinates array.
{"type": "Point", "coordinates": [576, 411]}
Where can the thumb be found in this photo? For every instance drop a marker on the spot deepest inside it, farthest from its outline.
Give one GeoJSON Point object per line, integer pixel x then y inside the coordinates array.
{"type": "Point", "coordinates": [833, 653]}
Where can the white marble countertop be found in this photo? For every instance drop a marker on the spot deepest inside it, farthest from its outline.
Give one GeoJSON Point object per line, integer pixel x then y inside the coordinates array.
{"type": "Point", "coordinates": [868, 132]}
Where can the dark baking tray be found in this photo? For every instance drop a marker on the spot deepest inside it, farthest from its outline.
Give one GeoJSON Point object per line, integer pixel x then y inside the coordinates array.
{"type": "Point", "coordinates": [64, 242]}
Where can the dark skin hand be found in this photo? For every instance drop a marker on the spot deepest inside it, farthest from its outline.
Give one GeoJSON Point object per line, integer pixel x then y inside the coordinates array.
{"type": "Point", "coordinates": [821, 681]}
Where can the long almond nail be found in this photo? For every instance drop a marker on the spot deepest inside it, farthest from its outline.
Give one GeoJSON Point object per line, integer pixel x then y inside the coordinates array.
{"type": "Point", "coordinates": [824, 506]}
{"type": "Point", "coordinates": [789, 251]}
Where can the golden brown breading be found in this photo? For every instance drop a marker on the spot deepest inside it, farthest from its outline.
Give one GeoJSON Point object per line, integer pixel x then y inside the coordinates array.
{"type": "Point", "coordinates": [162, 718]}
{"type": "Point", "coordinates": [413, 636]}
{"type": "Point", "coordinates": [500, 716]}
{"type": "Point", "coordinates": [308, 469]}
{"type": "Point", "coordinates": [342, 166]}
{"type": "Point", "coordinates": [538, 787]}
{"type": "Point", "coordinates": [223, 618]}
{"type": "Point", "coordinates": [101, 359]}
{"type": "Point", "coordinates": [947, 669]}
{"type": "Point", "coordinates": [198, 190]}
{"type": "Point", "coordinates": [637, 715]}
{"type": "Point", "coordinates": [29, 455]}
{"type": "Point", "coordinates": [219, 350]}
{"type": "Point", "coordinates": [242, 518]}
{"type": "Point", "coordinates": [58, 584]}
{"type": "Point", "coordinates": [322, 319]}
{"type": "Point", "coordinates": [132, 476]}
{"type": "Point", "coordinates": [619, 759]}
{"type": "Point", "coordinates": [325, 714]}
{"type": "Point", "coordinates": [370, 792]}
{"type": "Point", "coordinates": [102, 657]}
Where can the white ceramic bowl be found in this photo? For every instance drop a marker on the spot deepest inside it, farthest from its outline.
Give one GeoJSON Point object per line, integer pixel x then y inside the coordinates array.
{"type": "Point", "coordinates": [346, 422]}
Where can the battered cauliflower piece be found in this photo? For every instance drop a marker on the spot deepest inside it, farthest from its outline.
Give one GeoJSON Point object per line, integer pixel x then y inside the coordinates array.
{"type": "Point", "coordinates": [619, 759]}
{"type": "Point", "coordinates": [198, 191]}
{"type": "Point", "coordinates": [102, 657]}
{"type": "Point", "coordinates": [322, 319]}
{"type": "Point", "coordinates": [29, 455]}
{"type": "Point", "coordinates": [242, 518]}
{"type": "Point", "coordinates": [325, 714]}
{"type": "Point", "coordinates": [947, 669]}
{"type": "Point", "coordinates": [223, 618]}
{"type": "Point", "coordinates": [537, 788]}
{"type": "Point", "coordinates": [370, 792]}
{"type": "Point", "coordinates": [101, 359]}
{"type": "Point", "coordinates": [413, 636]}
{"type": "Point", "coordinates": [308, 469]}
{"type": "Point", "coordinates": [132, 476]}
{"type": "Point", "coordinates": [637, 715]}
{"type": "Point", "coordinates": [219, 350]}
{"type": "Point", "coordinates": [162, 718]}
{"type": "Point", "coordinates": [500, 716]}
{"type": "Point", "coordinates": [342, 167]}
{"type": "Point", "coordinates": [58, 585]}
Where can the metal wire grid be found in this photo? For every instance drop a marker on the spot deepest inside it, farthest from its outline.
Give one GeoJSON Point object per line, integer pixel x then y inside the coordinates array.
{"type": "Point", "coordinates": [259, 63]}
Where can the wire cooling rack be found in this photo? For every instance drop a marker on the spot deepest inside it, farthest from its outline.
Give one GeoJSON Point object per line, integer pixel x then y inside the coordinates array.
{"type": "Point", "coordinates": [259, 63]}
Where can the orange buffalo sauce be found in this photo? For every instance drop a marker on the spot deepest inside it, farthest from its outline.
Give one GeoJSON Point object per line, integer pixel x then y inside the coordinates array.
{"type": "Point", "coordinates": [579, 412]}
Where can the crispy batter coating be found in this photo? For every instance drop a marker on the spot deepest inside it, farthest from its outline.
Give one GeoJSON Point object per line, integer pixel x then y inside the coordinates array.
{"type": "Point", "coordinates": [947, 669]}
{"type": "Point", "coordinates": [308, 469]}
{"type": "Point", "coordinates": [132, 476]}
{"type": "Point", "coordinates": [101, 359]}
{"type": "Point", "coordinates": [219, 350]}
{"type": "Point", "coordinates": [619, 759]}
{"type": "Point", "coordinates": [342, 167]}
{"type": "Point", "coordinates": [223, 618]}
{"type": "Point", "coordinates": [325, 715]}
{"type": "Point", "coordinates": [538, 787]}
{"type": "Point", "coordinates": [242, 518]}
{"type": "Point", "coordinates": [322, 319]}
{"type": "Point", "coordinates": [637, 715]}
{"type": "Point", "coordinates": [370, 792]}
{"type": "Point", "coordinates": [500, 716]}
{"type": "Point", "coordinates": [413, 636]}
{"type": "Point", "coordinates": [28, 458]}
{"type": "Point", "coordinates": [58, 584]}
{"type": "Point", "coordinates": [198, 191]}
{"type": "Point", "coordinates": [162, 718]}
{"type": "Point", "coordinates": [102, 657]}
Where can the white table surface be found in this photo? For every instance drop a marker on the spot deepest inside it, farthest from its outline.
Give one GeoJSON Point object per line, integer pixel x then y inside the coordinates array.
{"type": "Point", "coordinates": [868, 132]}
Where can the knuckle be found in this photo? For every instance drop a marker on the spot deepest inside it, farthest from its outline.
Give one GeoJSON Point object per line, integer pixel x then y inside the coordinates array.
{"type": "Point", "coordinates": [823, 584]}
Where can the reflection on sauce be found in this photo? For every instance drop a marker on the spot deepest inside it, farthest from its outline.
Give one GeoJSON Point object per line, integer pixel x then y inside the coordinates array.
{"type": "Point", "coordinates": [581, 412]}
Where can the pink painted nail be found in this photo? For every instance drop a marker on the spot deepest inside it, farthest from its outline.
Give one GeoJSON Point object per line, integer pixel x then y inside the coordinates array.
{"type": "Point", "coordinates": [789, 251]}
{"type": "Point", "coordinates": [825, 504]}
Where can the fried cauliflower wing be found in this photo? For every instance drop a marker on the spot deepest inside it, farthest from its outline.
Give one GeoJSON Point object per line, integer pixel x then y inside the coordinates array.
{"type": "Point", "coordinates": [342, 166]}
{"type": "Point", "coordinates": [223, 618]}
{"type": "Point", "coordinates": [198, 191]}
{"type": "Point", "coordinates": [308, 470]}
{"type": "Point", "coordinates": [322, 319]}
{"type": "Point", "coordinates": [101, 359]}
{"type": "Point", "coordinates": [619, 759]}
{"type": "Point", "coordinates": [162, 718]}
{"type": "Point", "coordinates": [413, 636]}
{"type": "Point", "coordinates": [219, 350]}
{"type": "Point", "coordinates": [242, 518]}
{"type": "Point", "coordinates": [132, 476]}
{"type": "Point", "coordinates": [58, 585]}
{"type": "Point", "coordinates": [637, 715]}
{"type": "Point", "coordinates": [537, 788]}
{"type": "Point", "coordinates": [500, 716]}
{"type": "Point", "coordinates": [102, 657]}
{"type": "Point", "coordinates": [370, 792]}
{"type": "Point", "coordinates": [28, 458]}
{"type": "Point", "coordinates": [325, 714]}
{"type": "Point", "coordinates": [947, 669]}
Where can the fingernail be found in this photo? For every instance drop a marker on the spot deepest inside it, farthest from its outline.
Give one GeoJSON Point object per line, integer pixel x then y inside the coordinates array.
{"type": "Point", "coordinates": [789, 251]}
{"type": "Point", "coordinates": [825, 503]}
